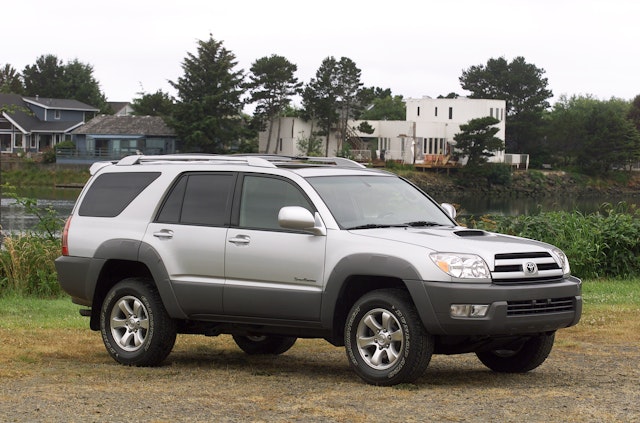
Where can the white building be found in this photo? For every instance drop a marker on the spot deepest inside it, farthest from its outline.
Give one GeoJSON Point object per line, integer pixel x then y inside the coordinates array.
{"type": "Point", "coordinates": [425, 136]}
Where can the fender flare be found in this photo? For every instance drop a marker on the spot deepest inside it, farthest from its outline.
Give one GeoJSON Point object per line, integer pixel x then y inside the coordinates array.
{"type": "Point", "coordinates": [138, 251]}
{"type": "Point", "coordinates": [367, 264]}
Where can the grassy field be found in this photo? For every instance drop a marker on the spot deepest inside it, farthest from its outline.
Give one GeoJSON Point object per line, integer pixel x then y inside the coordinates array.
{"type": "Point", "coordinates": [53, 368]}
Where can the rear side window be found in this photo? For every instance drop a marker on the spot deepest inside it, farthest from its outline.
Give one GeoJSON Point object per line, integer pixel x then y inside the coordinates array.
{"type": "Point", "coordinates": [111, 193]}
{"type": "Point", "coordinates": [199, 199]}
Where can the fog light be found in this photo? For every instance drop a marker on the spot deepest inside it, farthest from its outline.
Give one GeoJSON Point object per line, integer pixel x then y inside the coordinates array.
{"type": "Point", "coordinates": [469, 310]}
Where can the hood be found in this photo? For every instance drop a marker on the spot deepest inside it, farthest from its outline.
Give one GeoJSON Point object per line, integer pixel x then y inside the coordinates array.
{"type": "Point", "coordinates": [457, 239]}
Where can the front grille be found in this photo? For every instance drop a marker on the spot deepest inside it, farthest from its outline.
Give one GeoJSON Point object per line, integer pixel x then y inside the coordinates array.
{"type": "Point", "coordinates": [543, 306]}
{"type": "Point", "coordinates": [525, 268]}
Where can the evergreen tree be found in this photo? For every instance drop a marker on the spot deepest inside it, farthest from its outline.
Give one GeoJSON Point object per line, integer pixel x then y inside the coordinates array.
{"type": "Point", "coordinates": [523, 87]}
{"type": "Point", "coordinates": [10, 80]}
{"type": "Point", "coordinates": [477, 140]}
{"type": "Point", "coordinates": [50, 78]}
{"type": "Point", "coordinates": [45, 78]}
{"type": "Point", "coordinates": [207, 113]}
{"type": "Point", "coordinates": [156, 104]}
{"type": "Point", "coordinates": [272, 83]}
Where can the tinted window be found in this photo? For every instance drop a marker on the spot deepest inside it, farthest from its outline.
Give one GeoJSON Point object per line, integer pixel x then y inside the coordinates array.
{"type": "Point", "coordinates": [262, 199]}
{"type": "Point", "coordinates": [111, 193]}
{"type": "Point", "coordinates": [199, 199]}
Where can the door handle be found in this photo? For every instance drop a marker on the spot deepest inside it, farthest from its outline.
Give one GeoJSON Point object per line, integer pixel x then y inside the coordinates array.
{"type": "Point", "coordinates": [164, 234]}
{"type": "Point", "coordinates": [240, 240]}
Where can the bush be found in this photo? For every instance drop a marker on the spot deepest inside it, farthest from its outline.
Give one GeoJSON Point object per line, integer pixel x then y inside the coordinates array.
{"type": "Point", "coordinates": [487, 174]}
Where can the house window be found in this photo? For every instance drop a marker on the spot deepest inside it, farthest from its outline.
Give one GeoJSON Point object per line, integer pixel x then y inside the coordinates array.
{"type": "Point", "coordinates": [17, 140]}
{"type": "Point", "coordinates": [491, 112]}
{"type": "Point", "coordinates": [418, 110]}
{"type": "Point", "coordinates": [450, 112]}
{"type": "Point", "coordinates": [436, 112]}
{"type": "Point", "coordinates": [56, 114]}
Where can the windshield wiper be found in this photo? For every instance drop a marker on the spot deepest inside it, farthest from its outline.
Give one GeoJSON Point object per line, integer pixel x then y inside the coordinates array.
{"type": "Point", "coordinates": [377, 226]}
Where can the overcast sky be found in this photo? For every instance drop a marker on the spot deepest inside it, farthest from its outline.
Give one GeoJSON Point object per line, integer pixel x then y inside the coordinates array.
{"type": "Point", "coordinates": [415, 47]}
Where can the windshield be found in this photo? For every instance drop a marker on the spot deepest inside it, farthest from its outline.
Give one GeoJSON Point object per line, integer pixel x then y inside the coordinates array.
{"type": "Point", "coordinates": [359, 202]}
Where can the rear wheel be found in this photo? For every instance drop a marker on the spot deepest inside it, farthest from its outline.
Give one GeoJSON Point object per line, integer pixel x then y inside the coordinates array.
{"type": "Point", "coordinates": [136, 329]}
{"type": "Point", "coordinates": [527, 356]}
{"type": "Point", "coordinates": [264, 344]}
{"type": "Point", "coordinates": [385, 341]}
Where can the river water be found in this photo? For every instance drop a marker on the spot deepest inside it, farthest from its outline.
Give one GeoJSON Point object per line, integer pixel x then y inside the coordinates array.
{"type": "Point", "coordinates": [14, 219]}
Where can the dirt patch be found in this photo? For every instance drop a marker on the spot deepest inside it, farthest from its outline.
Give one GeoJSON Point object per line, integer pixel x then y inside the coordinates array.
{"type": "Point", "coordinates": [49, 375]}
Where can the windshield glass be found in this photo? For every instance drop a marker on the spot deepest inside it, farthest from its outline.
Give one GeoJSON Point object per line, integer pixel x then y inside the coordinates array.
{"type": "Point", "coordinates": [377, 201]}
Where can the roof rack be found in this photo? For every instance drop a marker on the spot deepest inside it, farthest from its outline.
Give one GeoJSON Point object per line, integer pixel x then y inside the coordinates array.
{"type": "Point", "coordinates": [297, 160]}
{"type": "Point", "coordinates": [258, 160]}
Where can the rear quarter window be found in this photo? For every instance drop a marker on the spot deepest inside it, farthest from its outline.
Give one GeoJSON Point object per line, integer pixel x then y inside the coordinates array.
{"type": "Point", "coordinates": [111, 193]}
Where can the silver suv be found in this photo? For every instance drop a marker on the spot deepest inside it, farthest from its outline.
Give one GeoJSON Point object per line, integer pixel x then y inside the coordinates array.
{"type": "Point", "coordinates": [270, 248]}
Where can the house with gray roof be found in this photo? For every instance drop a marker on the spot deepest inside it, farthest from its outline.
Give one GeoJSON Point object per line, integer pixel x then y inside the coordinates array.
{"type": "Point", "coordinates": [109, 137]}
{"type": "Point", "coordinates": [34, 124]}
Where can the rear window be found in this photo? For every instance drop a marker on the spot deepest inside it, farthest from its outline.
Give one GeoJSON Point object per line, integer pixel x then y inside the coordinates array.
{"type": "Point", "coordinates": [111, 193]}
{"type": "Point", "coordinates": [199, 199]}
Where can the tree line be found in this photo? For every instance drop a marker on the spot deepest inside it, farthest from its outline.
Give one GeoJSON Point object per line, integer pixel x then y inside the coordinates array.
{"type": "Point", "coordinates": [582, 132]}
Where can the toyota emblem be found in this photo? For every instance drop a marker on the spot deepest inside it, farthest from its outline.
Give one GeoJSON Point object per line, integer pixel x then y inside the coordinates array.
{"type": "Point", "coordinates": [531, 268]}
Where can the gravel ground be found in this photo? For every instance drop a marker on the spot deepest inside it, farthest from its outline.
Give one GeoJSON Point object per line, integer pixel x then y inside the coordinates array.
{"type": "Point", "coordinates": [208, 380]}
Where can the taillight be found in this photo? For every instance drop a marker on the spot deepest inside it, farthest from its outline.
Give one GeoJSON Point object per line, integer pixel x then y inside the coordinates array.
{"type": "Point", "coordinates": [65, 237]}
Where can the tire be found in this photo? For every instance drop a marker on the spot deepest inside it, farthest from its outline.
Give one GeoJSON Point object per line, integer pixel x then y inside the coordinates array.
{"type": "Point", "coordinates": [385, 340]}
{"type": "Point", "coordinates": [135, 327]}
{"type": "Point", "coordinates": [264, 344]}
{"type": "Point", "coordinates": [531, 354]}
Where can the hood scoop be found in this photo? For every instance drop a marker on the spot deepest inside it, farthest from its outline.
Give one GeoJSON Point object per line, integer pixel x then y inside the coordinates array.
{"type": "Point", "coordinates": [470, 233]}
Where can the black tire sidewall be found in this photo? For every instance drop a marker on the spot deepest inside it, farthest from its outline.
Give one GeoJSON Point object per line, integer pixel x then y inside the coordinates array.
{"type": "Point", "coordinates": [416, 349]}
{"type": "Point", "coordinates": [140, 289]}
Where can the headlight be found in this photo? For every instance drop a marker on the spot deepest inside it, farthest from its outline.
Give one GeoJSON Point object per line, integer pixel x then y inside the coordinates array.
{"type": "Point", "coordinates": [462, 266]}
{"type": "Point", "coordinates": [564, 262]}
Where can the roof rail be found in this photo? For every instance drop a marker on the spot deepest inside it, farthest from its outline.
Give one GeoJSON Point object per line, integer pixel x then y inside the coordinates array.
{"type": "Point", "coordinates": [258, 160]}
{"type": "Point", "coordinates": [284, 160]}
{"type": "Point", "coordinates": [138, 159]}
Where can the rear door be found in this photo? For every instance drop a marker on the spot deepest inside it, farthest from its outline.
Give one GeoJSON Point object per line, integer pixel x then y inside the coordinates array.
{"type": "Point", "coordinates": [271, 272]}
{"type": "Point", "coordinates": [189, 233]}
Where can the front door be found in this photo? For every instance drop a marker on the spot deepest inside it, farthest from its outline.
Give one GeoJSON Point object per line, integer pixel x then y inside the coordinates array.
{"type": "Point", "coordinates": [271, 272]}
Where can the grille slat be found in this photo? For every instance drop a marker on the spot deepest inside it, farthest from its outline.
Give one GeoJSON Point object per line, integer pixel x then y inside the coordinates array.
{"type": "Point", "coordinates": [542, 306]}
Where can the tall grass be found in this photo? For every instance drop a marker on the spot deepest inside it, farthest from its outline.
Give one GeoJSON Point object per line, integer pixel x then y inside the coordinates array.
{"type": "Point", "coordinates": [601, 244]}
{"type": "Point", "coordinates": [27, 265]}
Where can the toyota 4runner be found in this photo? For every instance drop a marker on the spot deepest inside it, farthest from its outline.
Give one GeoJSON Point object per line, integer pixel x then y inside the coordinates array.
{"type": "Point", "coordinates": [269, 249]}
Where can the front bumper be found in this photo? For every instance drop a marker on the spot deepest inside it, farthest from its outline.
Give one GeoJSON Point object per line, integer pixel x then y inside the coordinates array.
{"type": "Point", "coordinates": [513, 309]}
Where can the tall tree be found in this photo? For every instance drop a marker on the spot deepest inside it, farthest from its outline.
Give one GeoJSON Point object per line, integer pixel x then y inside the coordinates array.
{"type": "Point", "coordinates": [207, 113]}
{"type": "Point", "coordinates": [45, 78]}
{"type": "Point", "coordinates": [594, 135]}
{"type": "Point", "coordinates": [477, 140]}
{"type": "Point", "coordinates": [349, 86]}
{"type": "Point", "coordinates": [80, 84]}
{"type": "Point", "coordinates": [320, 97]}
{"type": "Point", "coordinates": [272, 83]}
{"type": "Point", "coordinates": [49, 77]}
{"type": "Point", "coordinates": [10, 80]}
{"type": "Point", "coordinates": [634, 112]}
{"type": "Point", "coordinates": [156, 104]}
{"type": "Point", "coordinates": [524, 88]}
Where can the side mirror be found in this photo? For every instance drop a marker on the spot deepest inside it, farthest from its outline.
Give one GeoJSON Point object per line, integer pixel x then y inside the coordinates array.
{"type": "Point", "coordinates": [300, 219]}
{"type": "Point", "coordinates": [449, 209]}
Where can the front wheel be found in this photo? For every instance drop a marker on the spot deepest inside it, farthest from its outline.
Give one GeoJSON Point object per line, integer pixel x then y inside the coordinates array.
{"type": "Point", "coordinates": [527, 356]}
{"type": "Point", "coordinates": [135, 327]}
{"type": "Point", "coordinates": [385, 341]}
{"type": "Point", "coordinates": [264, 344]}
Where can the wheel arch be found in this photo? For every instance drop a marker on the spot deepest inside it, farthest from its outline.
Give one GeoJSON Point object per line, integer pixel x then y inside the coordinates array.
{"type": "Point", "coordinates": [358, 274]}
{"type": "Point", "coordinates": [123, 258]}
